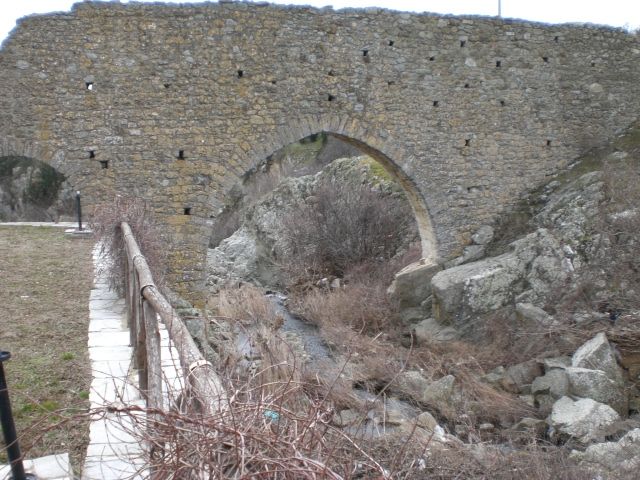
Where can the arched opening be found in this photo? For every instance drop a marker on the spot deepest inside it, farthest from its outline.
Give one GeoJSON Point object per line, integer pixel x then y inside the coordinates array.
{"type": "Point", "coordinates": [367, 206]}
{"type": "Point", "coordinates": [32, 190]}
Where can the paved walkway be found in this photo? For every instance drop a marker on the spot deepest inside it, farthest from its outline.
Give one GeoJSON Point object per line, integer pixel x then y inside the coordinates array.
{"type": "Point", "coordinates": [115, 451]}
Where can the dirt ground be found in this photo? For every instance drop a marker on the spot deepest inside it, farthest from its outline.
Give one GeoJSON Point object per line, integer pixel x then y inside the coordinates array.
{"type": "Point", "coordinates": [45, 281]}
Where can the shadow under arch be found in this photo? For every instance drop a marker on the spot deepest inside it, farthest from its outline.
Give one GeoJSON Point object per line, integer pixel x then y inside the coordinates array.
{"type": "Point", "coordinates": [350, 132]}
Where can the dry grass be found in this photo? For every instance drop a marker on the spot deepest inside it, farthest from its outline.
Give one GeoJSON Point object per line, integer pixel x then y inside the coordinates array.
{"type": "Point", "coordinates": [45, 280]}
{"type": "Point", "coordinates": [105, 223]}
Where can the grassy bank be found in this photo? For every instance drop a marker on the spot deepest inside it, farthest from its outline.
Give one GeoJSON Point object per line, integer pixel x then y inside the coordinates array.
{"type": "Point", "coordinates": [45, 281]}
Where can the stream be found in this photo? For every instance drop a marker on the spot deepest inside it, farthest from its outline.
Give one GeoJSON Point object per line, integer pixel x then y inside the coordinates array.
{"type": "Point", "coordinates": [319, 353]}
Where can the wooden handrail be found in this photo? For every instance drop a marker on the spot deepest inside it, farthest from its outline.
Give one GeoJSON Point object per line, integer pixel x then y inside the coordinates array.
{"type": "Point", "coordinates": [145, 303]}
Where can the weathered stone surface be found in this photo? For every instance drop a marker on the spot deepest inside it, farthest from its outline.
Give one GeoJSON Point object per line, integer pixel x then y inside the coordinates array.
{"type": "Point", "coordinates": [347, 417]}
{"type": "Point", "coordinates": [519, 377]}
{"type": "Point", "coordinates": [463, 292]}
{"type": "Point", "coordinates": [412, 285]}
{"type": "Point", "coordinates": [438, 393]}
{"type": "Point", "coordinates": [554, 383]}
{"type": "Point", "coordinates": [425, 420]}
{"type": "Point", "coordinates": [530, 425]}
{"type": "Point", "coordinates": [483, 235]}
{"type": "Point", "coordinates": [584, 419]}
{"type": "Point", "coordinates": [532, 316]}
{"type": "Point", "coordinates": [621, 458]}
{"type": "Point", "coordinates": [495, 377]}
{"type": "Point", "coordinates": [597, 354]}
{"type": "Point", "coordinates": [595, 384]}
{"type": "Point", "coordinates": [228, 99]}
{"type": "Point", "coordinates": [556, 362]}
{"type": "Point", "coordinates": [429, 330]}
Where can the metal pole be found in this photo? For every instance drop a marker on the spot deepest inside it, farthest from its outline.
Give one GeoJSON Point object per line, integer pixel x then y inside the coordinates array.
{"type": "Point", "coordinates": [79, 211]}
{"type": "Point", "coordinates": [8, 427]}
{"type": "Point", "coordinates": [499, 8]}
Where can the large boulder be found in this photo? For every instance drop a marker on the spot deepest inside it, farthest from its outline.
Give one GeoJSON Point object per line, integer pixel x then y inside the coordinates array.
{"type": "Point", "coordinates": [595, 384]}
{"type": "Point", "coordinates": [461, 292]}
{"type": "Point", "coordinates": [412, 285]}
{"type": "Point", "coordinates": [528, 272]}
{"type": "Point", "coordinates": [621, 458]}
{"type": "Point", "coordinates": [239, 258]}
{"type": "Point", "coordinates": [597, 354]}
{"type": "Point", "coordinates": [584, 419]}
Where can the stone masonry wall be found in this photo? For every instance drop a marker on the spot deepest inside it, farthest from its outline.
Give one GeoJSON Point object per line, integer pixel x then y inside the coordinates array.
{"type": "Point", "coordinates": [468, 112]}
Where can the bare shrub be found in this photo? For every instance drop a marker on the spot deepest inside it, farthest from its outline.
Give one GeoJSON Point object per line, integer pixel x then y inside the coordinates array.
{"type": "Point", "coordinates": [342, 226]}
{"type": "Point", "coordinates": [105, 223]}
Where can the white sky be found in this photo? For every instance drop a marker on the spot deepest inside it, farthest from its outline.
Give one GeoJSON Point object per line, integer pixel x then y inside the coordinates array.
{"type": "Point", "coordinates": [621, 13]}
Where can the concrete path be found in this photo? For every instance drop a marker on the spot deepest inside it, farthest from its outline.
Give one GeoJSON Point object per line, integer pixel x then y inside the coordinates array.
{"type": "Point", "coordinates": [42, 224]}
{"type": "Point", "coordinates": [115, 451]}
{"type": "Point", "coordinates": [51, 467]}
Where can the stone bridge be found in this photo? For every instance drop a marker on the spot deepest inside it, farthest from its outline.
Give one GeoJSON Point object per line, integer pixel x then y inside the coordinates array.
{"type": "Point", "coordinates": [173, 104]}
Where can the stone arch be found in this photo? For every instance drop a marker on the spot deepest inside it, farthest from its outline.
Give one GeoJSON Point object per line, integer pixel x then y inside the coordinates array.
{"type": "Point", "coordinates": [33, 189]}
{"type": "Point", "coordinates": [24, 148]}
{"type": "Point", "coordinates": [381, 148]}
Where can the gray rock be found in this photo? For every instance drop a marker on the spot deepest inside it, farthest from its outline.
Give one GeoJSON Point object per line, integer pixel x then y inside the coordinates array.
{"type": "Point", "coordinates": [459, 293]}
{"type": "Point", "coordinates": [595, 384]}
{"type": "Point", "coordinates": [620, 458]}
{"type": "Point", "coordinates": [429, 330]}
{"type": "Point", "coordinates": [570, 208]}
{"type": "Point", "coordinates": [412, 285]}
{"type": "Point", "coordinates": [412, 383]}
{"type": "Point", "coordinates": [584, 419]}
{"type": "Point", "coordinates": [597, 354]}
{"type": "Point", "coordinates": [464, 292]}
{"type": "Point", "coordinates": [519, 377]}
{"type": "Point", "coordinates": [347, 417]}
{"type": "Point", "coordinates": [532, 316]}
{"type": "Point", "coordinates": [555, 383]}
{"type": "Point", "coordinates": [437, 393]}
{"type": "Point", "coordinates": [472, 253]}
{"type": "Point", "coordinates": [556, 362]}
{"type": "Point", "coordinates": [530, 425]}
{"type": "Point", "coordinates": [495, 377]}
{"type": "Point", "coordinates": [483, 235]}
{"type": "Point", "coordinates": [425, 420]}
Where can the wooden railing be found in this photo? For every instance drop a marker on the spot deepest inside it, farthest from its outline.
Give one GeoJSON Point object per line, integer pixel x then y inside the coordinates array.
{"type": "Point", "coordinates": [145, 307]}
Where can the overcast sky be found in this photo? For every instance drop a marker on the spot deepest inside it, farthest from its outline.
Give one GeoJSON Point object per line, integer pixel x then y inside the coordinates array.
{"type": "Point", "coordinates": [621, 13]}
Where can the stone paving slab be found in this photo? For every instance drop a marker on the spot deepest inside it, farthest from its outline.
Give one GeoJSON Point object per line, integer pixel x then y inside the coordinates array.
{"type": "Point", "coordinates": [112, 338]}
{"type": "Point", "coordinates": [114, 450]}
{"type": "Point", "coordinates": [118, 353]}
{"type": "Point", "coordinates": [51, 467]}
{"type": "Point", "coordinates": [114, 468]}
